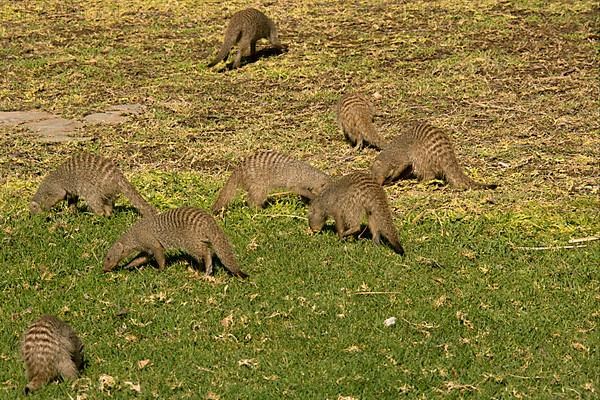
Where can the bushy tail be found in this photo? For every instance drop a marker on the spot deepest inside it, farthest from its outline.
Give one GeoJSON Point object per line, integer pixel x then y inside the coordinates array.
{"type": "Point", "coordinates": [230, 39]}
{"type": "Point", "coordinates": [456, 176]}
{"type": "Point", "coordinates": [223, 250]}
{"type": "Point", "coordinates": [145, 208]}
{"type": "Point", "coordinates": [227, 192]}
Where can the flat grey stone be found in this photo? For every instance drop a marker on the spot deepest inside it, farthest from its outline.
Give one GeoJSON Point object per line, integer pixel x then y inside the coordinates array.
{"type": "Point", "coordinates": [50, 128]}
{"type": "Point", "coordinates": [62, 138]}
{"type": "Point", "coordinates": [114, 114]}
{"type": "Point", "coordinates": [110, 118]}
{"type": "Point", "coordinates": [131, 109]}
{"type": "Point", "coordinates": [56, 129]}
{"type": "Point", "coordinates": [19, 117]}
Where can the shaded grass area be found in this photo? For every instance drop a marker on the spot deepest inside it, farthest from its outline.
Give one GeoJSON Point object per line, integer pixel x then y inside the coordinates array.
{"type": "Point", "coordinates": [475, 314]}
{"type": "Point", "coordinates": [515, 84]}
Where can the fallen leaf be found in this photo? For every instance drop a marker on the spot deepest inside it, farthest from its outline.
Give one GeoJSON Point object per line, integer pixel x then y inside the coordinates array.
{"type": "Point", "coordinates": [248, 362]}
{"type": "Point", "coordinates": [440, 301]}
{"type": "Point", "coordinates": [580, 347]}
{"type": "Point", "coordinates": [106, 382]}
{"type": "Point", "coordinates": [133, 386]}
{"type": "Point", "coordinates": [143, 363]}
{"type": "Point", "coordinates": [462, 317]}
{"type": "Point", "coordinates": [131, 338]}
{"type": "Point", "coordinates": [227, 321]}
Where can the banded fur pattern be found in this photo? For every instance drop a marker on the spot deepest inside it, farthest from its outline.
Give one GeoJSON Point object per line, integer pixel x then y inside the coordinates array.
{"type": "Point", "coordinates": [264, 171]}
{"type": "Point", "coordinates": [95, 179]}
{"type": "Point", "coordinates": [348, 200]}
{"type": "Point", "coordinates": [355, 117]}
{"type": "Point", "coordinates": [427, 152]}
{"type": "Point", "coordinates": [189, 229]}
{"type": "Point", "coordinates": [50, 349]}
{"type": "Point", "coordinates": [245, 28]}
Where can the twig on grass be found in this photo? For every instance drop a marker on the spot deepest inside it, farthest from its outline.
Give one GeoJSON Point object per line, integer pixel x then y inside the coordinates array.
{"type": "Point", "coordinates": [371, 293]}
{"type": "Point", "coordinates": [552, 247]}
{"type": "Point", "coordinates": [585, 239]}
{"type": "Point", "coordinates": [284, 215]}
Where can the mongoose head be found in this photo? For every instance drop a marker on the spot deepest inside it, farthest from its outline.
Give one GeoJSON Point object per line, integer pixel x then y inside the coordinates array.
{"type": "Point", "coordinates": [316, 217]}
{"type": "Point", "coordinates": [115, 254]}
{"type": "Point", "coordinates": [34, 208]}
{"type": "Point", "coordinates": [46, 196]}
{"type": "Point", "coordinates": [32, 386]}
{"type": "Point", "coordinates": [380, 171]}
{"type": "Point", "coordinates": [318, 186]}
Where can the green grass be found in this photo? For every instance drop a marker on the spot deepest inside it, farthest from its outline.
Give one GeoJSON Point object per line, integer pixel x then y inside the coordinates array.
{"type": "Point", "coordinates": [478, 314]}
{"type": "Point", "coordinates": [475, 314]}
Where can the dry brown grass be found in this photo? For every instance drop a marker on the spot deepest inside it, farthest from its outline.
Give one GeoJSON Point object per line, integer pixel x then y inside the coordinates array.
{"type": "Point", "coordinates": [515, 83]}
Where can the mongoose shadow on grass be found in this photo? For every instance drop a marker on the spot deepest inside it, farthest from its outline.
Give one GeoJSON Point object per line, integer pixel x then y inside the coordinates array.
{"type": "Point", "coordinates": [171, 259]}
{"type": "Point", "coordinates": [363, 234]}
{"type": "Point", "coordinates": [265, 53]}
{"type": "Point", "coordinates": [73, 205]}
{"type": "Point", "coordinates": [287, 197]}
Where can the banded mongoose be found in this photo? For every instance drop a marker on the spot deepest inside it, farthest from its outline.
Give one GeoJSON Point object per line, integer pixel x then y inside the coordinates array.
{"type": "Point", "coordinates": [428, 152]}
{"type": "Point", "coordinates": [51, 350]}
{"type": "Point", "coordinates": [93, 178]}
{"type": "Point", "coordinates": [267, 170]}
{"type": "Point", "coordinates": [188, 229]}
{"type": "Point", "coordinates": [347, 199]}
{"type": "Point", "coordinates": [246, 27]}
{"type": "Point", "coordinates": [355, 117]}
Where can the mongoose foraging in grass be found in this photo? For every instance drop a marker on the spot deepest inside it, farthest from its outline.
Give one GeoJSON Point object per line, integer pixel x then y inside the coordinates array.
{"type": "Point", "coordinates": [267, 170]}
{"type": "Point", "coordinates": [95, 179]}
{"type": "Point", "coordinates": [347, 199]}
{"type": "Point", "coordinates": [355, 118]}
{"type": "Point", "coordinates": [188, 229]}
{"type": "Point", "coordinates": [428, 152]}
{"type": "Point", "coordinates": [246, 27]}
{"type": "Point", "coordinates": [51, 350]}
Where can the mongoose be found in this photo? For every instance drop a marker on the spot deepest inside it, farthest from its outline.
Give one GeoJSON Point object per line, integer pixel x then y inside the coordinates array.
{"type": "Point", "coordinates": [188, 229]}
{"type": "Point", "coordinates": [428, 152]}
{"type": "Point", "coordinates": [95, 179]}
{"type": "Point", "coordinates": [246, 27]}
{"type": "Point", "coordinates": [51, 350]}
{"type": "Point", "coordinates": [355, 117]}
{"type": "Point", "coordinates": [347, 199]}
{"type": "Point", "coordinates": [268, 170]}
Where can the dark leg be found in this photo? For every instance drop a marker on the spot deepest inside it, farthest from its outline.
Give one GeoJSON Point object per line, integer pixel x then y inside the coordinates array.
{"type": "Point", "coordinates": [257, 197]}
{"type": "Point", "coordinates": [351, 231]}
{"type": "Point", "coordinates": [339, 225]}
{"type": "Point", "coordinates": [243, 50]}
{"type": "Point", "coordinates": [136, 262]}
{"type": "Point", "coordinates": [159, 254]}
{"type": "Point", "coordinates": [96, 204]}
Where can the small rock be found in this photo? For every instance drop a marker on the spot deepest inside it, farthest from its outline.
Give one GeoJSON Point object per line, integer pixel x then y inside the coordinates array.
{"type": "Point", "coordinates": [19, 117]}
{"type": "Point", "coordinates": [390, 321]}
